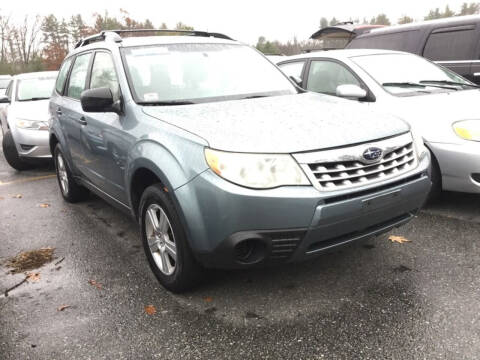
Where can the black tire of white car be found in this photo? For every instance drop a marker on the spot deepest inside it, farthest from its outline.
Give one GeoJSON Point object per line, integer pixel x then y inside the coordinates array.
{"type": "Point", "coordinates": [11, 154]}
{"type": "Point", "coordinates": [186, 268]}
{"type": "Point", "coordinates": [436, 178]}
{"type": "Point", "coordinates": [74, 192]}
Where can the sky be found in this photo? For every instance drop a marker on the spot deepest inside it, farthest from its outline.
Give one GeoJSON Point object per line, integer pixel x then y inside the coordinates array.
{"type": "Point", "coordinates": [243, 20]}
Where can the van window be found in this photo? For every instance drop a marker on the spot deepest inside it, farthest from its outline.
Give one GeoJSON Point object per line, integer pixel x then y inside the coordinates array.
{"type": "Point", "coordinates": [450, 45]}
{"type": "Point", "coordinates": [402, 41]}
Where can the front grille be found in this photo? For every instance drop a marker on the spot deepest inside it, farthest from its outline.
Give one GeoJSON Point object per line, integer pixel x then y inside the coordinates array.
{"type": "Point", "coordinates": [346, 168]}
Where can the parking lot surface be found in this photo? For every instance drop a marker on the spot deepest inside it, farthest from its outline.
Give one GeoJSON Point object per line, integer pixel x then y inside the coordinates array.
{"type": "Point", "coordinates": [99, 300]}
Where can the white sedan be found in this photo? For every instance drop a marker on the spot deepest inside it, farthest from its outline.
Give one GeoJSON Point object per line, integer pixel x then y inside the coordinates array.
{"type": "Point", "coordinates": [438, 103]}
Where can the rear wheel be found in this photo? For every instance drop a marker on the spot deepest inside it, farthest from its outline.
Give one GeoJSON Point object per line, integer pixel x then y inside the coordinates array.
{"type": "Point", "coordinates": [164, 241]}
{"type": "Point", "coordinates": [71, 191]}
{"type": "Point", "coordinates": [11, 154]}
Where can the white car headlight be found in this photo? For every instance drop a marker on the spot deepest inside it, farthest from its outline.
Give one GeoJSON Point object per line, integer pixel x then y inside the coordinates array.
{"type": "Point", "coordinates": [259, 171]}
{"type": "Point", "coordinates": [468, 129]}
{"type": "Point", "coordinates": [31, 124]}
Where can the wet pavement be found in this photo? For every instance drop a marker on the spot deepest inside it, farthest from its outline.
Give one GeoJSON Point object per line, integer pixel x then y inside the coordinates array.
{"type": "Point", "coordinates": [371, 300]}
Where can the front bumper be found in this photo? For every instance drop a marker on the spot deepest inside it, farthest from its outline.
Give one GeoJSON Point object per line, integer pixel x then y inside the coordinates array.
{"type": "Point", "coordinates": [32, 144]}
{"type": "Point", "coordinates": [458, 164]}
{"type": "Point", "coordinates": [290, 223]}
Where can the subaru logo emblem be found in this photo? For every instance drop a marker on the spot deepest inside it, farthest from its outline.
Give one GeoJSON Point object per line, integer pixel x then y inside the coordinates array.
{"type": "Point", "coordinates": [372, 154]}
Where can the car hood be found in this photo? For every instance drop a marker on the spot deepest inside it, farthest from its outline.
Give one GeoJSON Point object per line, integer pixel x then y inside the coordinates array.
{"type": "Point", "coordinates": [434, 114]}
{"type": "Point", "coordinates": [31, 110]}
{"type": "Point", "coordinates": [280, 124]}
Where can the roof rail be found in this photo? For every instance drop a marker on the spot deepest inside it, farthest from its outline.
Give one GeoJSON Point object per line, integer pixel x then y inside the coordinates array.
{"type": "Point", "coordinates": [115, 35]}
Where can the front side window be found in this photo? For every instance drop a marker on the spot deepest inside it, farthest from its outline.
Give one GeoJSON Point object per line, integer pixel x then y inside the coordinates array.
{"type": "Point", "coordinates": [103, 73]}
{"type": "Point", "coordinates": [405, 74]}
{"type": "Point", "coordinates": [201, 73]}
{"type": "Point", "coordinates": [325, 76]}
{"type": "Point", "coordinates": [451, 45]}
{"type": "Point", "coordinates": [39, 88]}
{"type": "Point", "coordinates": [293, 68]}
{"type": "Point", "coordinates": [62, 75]}
{"type": "Point", "coordinates": [78, 76]}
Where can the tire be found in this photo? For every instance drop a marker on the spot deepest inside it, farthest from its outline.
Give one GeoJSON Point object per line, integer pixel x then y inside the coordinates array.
{"type": "Point", "coordinates": [177, 272]}
{"type": "Point", "coordinates": [71, 191]}
{"type": "Point", "coordinates": [436, 179]}
{"type": "Point", "coordinates": [11, 154]}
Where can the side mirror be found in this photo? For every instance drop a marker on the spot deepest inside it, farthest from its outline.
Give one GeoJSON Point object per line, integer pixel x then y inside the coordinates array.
{"type": "Point", "coordinates": [99, 100]}
{"type": "Point", "coordinates": [296, 80]}
{"type": "Point", "coordinates": [4, 99]}
{"type": "Point", "coordinates": [351, 91]}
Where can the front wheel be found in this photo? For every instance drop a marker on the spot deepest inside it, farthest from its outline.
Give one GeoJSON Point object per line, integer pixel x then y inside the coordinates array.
{"type": "Point", "coordinates": [11, 154]}
{"type": "Point", "coordinates": [436, 179]}
{"type": "Point", "coordinates": [164, 241]}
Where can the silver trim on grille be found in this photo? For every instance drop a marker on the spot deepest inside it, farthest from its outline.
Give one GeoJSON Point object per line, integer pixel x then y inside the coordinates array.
{"type": "Point", "coordinates": [345, 168]}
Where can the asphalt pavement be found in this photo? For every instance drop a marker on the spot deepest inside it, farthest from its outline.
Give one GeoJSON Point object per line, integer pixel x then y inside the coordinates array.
{"type": "Point", "coordinates": [371, 300]}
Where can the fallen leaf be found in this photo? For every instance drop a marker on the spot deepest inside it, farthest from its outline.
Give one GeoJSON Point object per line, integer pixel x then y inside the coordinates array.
{"type": "Point", "coordinates": [63, 307]}
{"type": "Point", "coordinates": [33, 277]}
{"type": "Point", "coordinates": [44, 205]}
{"type": "Point", "coordinates": [150, 309]}
{"type": "Point", "coordinates": [18, 196]}
{"type": "Point", "coordinates": [398, 239]}
{"type": "Point", "coordinates": [208, 299]}
{"type": "Point", "coordinates": [95, 283]}
{"type": "Point", "coordinates": [30, 260]}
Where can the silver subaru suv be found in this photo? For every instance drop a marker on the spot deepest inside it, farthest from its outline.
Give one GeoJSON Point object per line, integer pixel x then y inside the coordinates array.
{"type": "Point", "coordinates": [221, 158]}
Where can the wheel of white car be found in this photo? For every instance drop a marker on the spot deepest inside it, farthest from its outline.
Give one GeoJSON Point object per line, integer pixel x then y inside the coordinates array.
{"type": "Point", "coordinates": [11, 154]}
{"type": "Point", "coordinates": [436, 178]}
{"type": "Point", "coordinates": [71, 191]}
{"type": "Point", "coordinates": [164, 241]}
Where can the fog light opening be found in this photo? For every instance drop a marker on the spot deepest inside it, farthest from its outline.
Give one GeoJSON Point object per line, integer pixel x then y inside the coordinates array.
{"type": "Point", "coordinates": [476, 177]}
{"type": "Point", "coordinates": [249, 251]}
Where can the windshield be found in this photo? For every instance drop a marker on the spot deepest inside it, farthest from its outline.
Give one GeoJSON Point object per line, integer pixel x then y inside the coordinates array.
{"type": "Point", "coordinates": [404, 73]}
{"type": "Point", "coordinates": [4, 83]}
{"type": "Point", "coordinates": [201, 72]}
{"type": "Point", "coordinates": [35, 89]}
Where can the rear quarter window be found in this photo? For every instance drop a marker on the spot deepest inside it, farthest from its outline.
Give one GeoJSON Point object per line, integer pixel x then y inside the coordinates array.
{"type": "Point", "coordinates": [451, 45]}
{"type": "Point", "coordinates": [402, 41]}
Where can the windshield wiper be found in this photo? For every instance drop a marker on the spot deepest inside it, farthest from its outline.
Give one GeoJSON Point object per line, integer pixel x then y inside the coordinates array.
{"type": "Point", "coordinates": [420, 84]}
{"type": "Point", "coordinates": [404, 84]}
{"type": "Point", "coordinates": [166, 103]}
{"type": "Point", "coordinates": [448, 82]}
{"type": "Point", "coordinates": [35, 99]}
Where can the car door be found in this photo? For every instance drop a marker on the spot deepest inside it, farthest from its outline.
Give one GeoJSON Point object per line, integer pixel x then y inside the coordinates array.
{"type": "Point", "coordinates": [325, 75]}
{"type": "Point", "coordinates": [70, 113]}
{"type": "Point", "coordinates": [104, 141]}
{"type": "Point", "coordinates": [454, 48]}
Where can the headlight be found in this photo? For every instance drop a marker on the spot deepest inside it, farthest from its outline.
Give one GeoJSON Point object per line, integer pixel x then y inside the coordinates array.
{"type": "Point", "coordinates": [468, 129]}
{"type": "Point", "coordinates": [419, 144]}
{"type": "Point", "coordinates": [260, 171]}
{"type": "Point", "coordinates": [31, 124]}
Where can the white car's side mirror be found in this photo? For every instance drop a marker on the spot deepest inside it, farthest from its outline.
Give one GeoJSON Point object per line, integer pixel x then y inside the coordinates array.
{"type": "Point", "coordinates": [351, 91]}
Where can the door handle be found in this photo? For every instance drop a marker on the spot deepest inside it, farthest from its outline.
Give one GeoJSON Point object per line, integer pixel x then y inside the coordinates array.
{"type": "Point", "coordinates": [59, 111]}
{"type": "Point", "coordinates": [82, 120]}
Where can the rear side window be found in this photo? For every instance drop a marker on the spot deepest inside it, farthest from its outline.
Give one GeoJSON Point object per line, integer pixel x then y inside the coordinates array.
{"type": "Point", "coordinates": [402, 41]}
{"type": "Point", "coordinates": [62, 75]}
{"type": "Point", "coordinates": [450, 45]}
{"type": "Point", "coordinates": [293, 68]}
{"type": "Point", "coordinates": [103, 73]}
{"type": "Point", "coordinates": [78, 76]}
